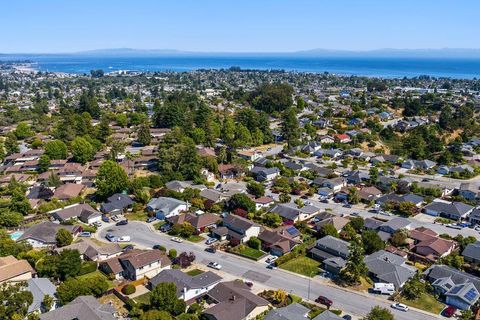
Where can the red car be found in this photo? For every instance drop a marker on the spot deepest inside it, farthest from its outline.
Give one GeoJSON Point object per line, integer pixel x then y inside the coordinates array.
{"type": "Point", "coordinates": [324, 300]}
{"type": "Point", "coordinates": [449, 311]}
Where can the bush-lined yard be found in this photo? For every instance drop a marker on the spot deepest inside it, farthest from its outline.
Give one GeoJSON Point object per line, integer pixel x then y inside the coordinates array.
{"type": "Point", "coordinates": [248, 252]}
{"type": "Point", "coordinates": [426, 302]}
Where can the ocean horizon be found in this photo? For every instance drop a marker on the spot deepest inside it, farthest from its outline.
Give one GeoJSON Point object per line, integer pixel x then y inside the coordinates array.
{"type": "Point", "coordinates": [383, 67]}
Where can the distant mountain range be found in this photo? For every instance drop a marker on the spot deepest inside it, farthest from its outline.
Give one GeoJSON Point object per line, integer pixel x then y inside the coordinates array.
{"type": "Point", "coordinates": [384, 53]}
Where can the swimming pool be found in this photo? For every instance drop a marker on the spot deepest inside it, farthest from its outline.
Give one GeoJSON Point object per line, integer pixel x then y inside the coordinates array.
{"type": "Point", "coordinates": [16, 235]}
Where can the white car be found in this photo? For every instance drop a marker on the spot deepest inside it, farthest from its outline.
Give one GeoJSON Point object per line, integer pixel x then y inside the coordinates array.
{"type": "Point", "coordinates": [177, 239]}
{"type": "Point", "coordinates": [214, 265]}
{"type": "Point", "coordinates": [124, 239]}
{"type": "Point", "coordinates": [400, 306]}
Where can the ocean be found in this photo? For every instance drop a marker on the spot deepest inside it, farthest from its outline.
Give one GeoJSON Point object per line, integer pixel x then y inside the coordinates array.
{"type": "Point", "coordinates": [467, 68]}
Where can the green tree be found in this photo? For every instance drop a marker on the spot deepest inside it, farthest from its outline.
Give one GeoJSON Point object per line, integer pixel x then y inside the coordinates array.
{"type": "Point", "coordinates": [164, 297]}
{"type": "Point", "coordinates": [8, 246]}
{"type": "Point", "coordinates": [271, 97]}
{"type": "Point", "coordinates": [255, 188]}
{"type": "Point", "coordinates": [372, 242]}
{"type": "Point", "coordinates": [82, 150]}
{"type": "Point", "coordinates": [144, 135]}
{"type": "Point", "coordinates": [56, 150]}
{"type": "Point", "coordinates": [379, 313]}
{"type": "Point", "coordinates": [353, 196]}
{"type": "Point", "coordinates": [355, 267]}
{"type": "Point", "coordinates": [357, 223]}
{"type": "Point", "coordinates": [23, 131]}
{"type": "Point", "coordinates": [327, 230]}
{"type": "Point", "coordinates": [398, 238]}
{"type": "Point", "coordinates": [63, 237]}
{"type": "Point", "coordinates": [74, 287]}
{"type": "Point", "coordinates": [254, 243]}
{"type": "Point", "coordinates": [15, 300]}
{"type": "Point", "coordinates": [466, 315]}
{"type": "Point", "coordinates": [11, 144]}
{"type": "Point", "coordinates": [54, 180]}
{"type": "Point", "coordinates": [290, 127]}
{"type": "Point", "coordinates": [272, 219]}
{"type": "Point", "coordinates": [284, 198]}
{"type": "Point", "coordinates": [413, 288]}
{"type": "Point", "coordinates": [156, 315]}
{"type": "Point", "coordinates": [43, 163]}
{"type": "Point", "coordinates": [47, 302]}
{"type": "Point", "coordinates": [241, 201]}
{"type": "Point", "coordinates": [19, 202]}
{"type": "Point", "coordinates": [110, 179]}
{"type": "Point", "coordinates": [10, 219]}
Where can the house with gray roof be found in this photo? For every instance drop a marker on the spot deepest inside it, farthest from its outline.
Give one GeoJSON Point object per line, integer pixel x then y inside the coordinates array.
{"type": "Point", "coordinates": [291, 212]}
{"type": "Point", "coordinates": [265, 174]}
{"type": "Point", "coordinates": [82, 308]}
{"type": "Point", "coordinates": [332, 252]}
{"type": "Point", "coordinates": [117, 204]}
{"type": "Point", "coordinates": [438, 274]}
{"type": "Point", "coordinates": [165, 207]}
{"type": "Point", "coordinates": [81, 211]}
{"type": "Point", "coordinates": [387, 267]}
{"type": "Point", "coordinates": [462, 296]}
{"type": "Point", "coordinates": [41, 287]}
{"type": "Point", "coordinates": [240, 229]}
{"type": "Point", "coordinates": [327, 315]}
{"type": "Point", "coordinates": [42, 235]}
{"type": "Point", "coordinates": [294, 311]}
{"type": "Point", "coordinates": [189, 287]}
{"type": "Point", "coordinates": [471, 253]}
{"type": "Point", "coordinates": [395, 224]}
{"type": "Point", "coordinates": [450, 210]}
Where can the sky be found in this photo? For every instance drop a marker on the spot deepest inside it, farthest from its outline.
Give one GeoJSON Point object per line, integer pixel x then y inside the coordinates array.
{"type": "Point", "coordinates": [58, 26]}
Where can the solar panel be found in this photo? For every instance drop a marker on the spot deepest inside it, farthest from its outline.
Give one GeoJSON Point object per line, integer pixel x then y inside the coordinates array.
{"type": "Point", "coordinates": [471, 294]}
{"type": "Point", "coordinates": [292, 230]}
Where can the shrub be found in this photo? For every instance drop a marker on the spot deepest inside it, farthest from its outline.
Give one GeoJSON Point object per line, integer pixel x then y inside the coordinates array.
{"type": "Point", "coordinates": [162, 248]}
{"type": "Point", "coordinates": [129, 289]}
{"type": "Point", "coordinates": [172, 253]}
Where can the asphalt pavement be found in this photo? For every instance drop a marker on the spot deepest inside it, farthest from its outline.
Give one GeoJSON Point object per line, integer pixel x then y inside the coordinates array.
{"type": "Point", "coordinates": [354, 303]}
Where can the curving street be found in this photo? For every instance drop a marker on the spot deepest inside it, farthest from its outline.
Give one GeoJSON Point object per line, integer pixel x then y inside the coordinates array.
{"type": "Point", "coordinates": [143, 235]}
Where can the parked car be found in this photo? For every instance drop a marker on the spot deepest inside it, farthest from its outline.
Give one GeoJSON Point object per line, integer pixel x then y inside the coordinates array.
{"type": "Point", "coordinates": [449, 311]}
{"type": "Point", "coordinates": [211, 249]}
{"type": "Point", "coordinates": [97, 224]}
{"type": "Point", "coordinates": [214, 265]}
{"type": "Point", "coordinates": [122, 223]}
{"type": "Point", "coordinates": [400, 306]}
{"type": "Point", "coordinates": [271, 259]}
{"type": "Point", "coordinates": [110, 237]}
{"type": "Point", "coordinates": [128, 248]}
{"type": "Point", "coordinates": [324, 201]}
{"type": "Point", "coordinates": [165, 228]}
{"type": "Point", "coordinates": [115, 218]}
{"type": "Point", "coordinates": [157, 247]}
{"type": "Point", "coordinates": [355, 214]}
{"type": "Point", "coordinates": [105, 219]}
{"type": "Point", "coordinates": [123, 239]}
{"type": "Point", "coordinates": [347, 205]}
{"type": "Point", "coordinates": [454, 226]}
{"type": "Point", "coordinates": [151, 219]}
{"type": "Point", "coordinates": [177, 239]}
{"type": "Point", "coordinates": [211, 240]}
{"type": "Point", "coordinates": [271, 266]}
{"type": "Point", "coordinates": [249, 284]}
{"type": "Point", "coordinates": [324, 300]}
{"type": "Point", "coordinates": [85, 234]}
{"type": "Point", "coordinates": [347, 317]}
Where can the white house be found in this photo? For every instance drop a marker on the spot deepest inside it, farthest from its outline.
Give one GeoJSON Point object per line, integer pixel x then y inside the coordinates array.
{"type": "Point", "coordinates": [165, 207]}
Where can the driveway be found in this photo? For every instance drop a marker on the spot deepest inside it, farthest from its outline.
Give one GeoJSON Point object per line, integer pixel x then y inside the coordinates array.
{"type": "Point", "coordinates": [351, 302]}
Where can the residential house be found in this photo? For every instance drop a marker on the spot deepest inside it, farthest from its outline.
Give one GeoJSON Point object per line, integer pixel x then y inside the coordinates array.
{"type": "Point", "coordinates": [41, 287]}
{"type": "Point", "coordinates": [428, 244]}
{"type": "Point", "coordinates": [42, 235]}
{"type": "Point", "coordinates": [356, 177]}
{"type": "Point", "coordinates": [189, 287]}
{"type": "Point", "coordinates": [471, 253]}
{"type": "Point", "coordinates": [81, 211]}
{"type": "Point", "coordinates": [117, 203]}
{"type": "Point", "coordinates": [450, 210]}
{"type": "Point", "coordinates": [229, 171]}
{"type": "Point", "coordinates": [336, 221]}
{"type": "Point", "coordinates": [474, 217]}
{"type": "Point", "coordinates": [469, 191]}
{"type": "Point", "coordinates": [334, 183]}
{"type": "Point", "coordinates": [82, 308]}
{"type": "Point", "coordinates": [240, 229]}
{"type": "Point", "coordinates": [14, 270]}
{"type": "Point", "coordinates": [93, 251]}
{"type": "Point", "coordinates": [462, 296]}
{"type": "Point", "coordinates": [294, 311]}
{"type": "Point", "coordinates": [395, 224]}
{"type": "Point", "coordinates": [234, 301]}
{"type": "Point", "coordinates": [265, 174]}
{"type": "Point", "coordinates": [387, 267]}
{"type": "Point", "coordinates": [342, 138]}
{"type": "Point", "coordinates": [327, 315]}
{"type": "Point", "coordinates": [291, 213]}
{"type": "Point", "coordinates": [276, 242]}
{"type": "Point", "coordinates": [136, 264]}
{"type": "Point", "coordinates": [165, 207]}
{"type": "Point", "coordinates": [68, 191]}
{"type": "Point", "coordinates": [332, 252]}
{"type": "Point", "coordinates": [199, 221]}
{"type": "Point", "coordinates": [368, 194]}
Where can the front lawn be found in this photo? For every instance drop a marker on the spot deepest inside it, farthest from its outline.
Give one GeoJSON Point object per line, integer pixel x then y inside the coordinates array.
{"type": "Point", "coordinates": [302, 265]}
{"type": "Point", "coordinates": [143, 299]}
{"type": "Point", "coordinates": [195, 272]}
{"type": "Point", "coordinates": [195, 238]}
{"type": "Point", "coordinates": [426, 302]}
{"type": "Point", "coordinates": [248, 252]}
{"type": "Point", "coordinates": [96, 274]}
{"type": "Point", "coordinates": [138, 216]}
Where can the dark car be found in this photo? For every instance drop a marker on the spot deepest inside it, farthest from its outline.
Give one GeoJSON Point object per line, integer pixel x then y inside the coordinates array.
{"type": "Point", "coordinates": [347, 317]}
{"type": "Point", "coordinates": [324, 300]}
{"type": "Point", "coordinates": [105, 219]}
{"type": "Point", "coordinates": [249, 284]}
{"type": "Point", "coordinates": [165, 228]}
{"type": "Point", "coordinates": [211, 249]}
{"type": "Point", "coordinates": [158, 247]}
{"type": "Point", "coordinates": [449, 311]}
{"type": "Point", "coordinates": [151, 219]}
{"type": "Point", "coordinates": [324, 201]}
{"type": "Point", "coordinates": [347, 205]}
{"type": "Point", "coordinates": [128, 248]}
{"type": "Point", "coordinates": [122, 223]}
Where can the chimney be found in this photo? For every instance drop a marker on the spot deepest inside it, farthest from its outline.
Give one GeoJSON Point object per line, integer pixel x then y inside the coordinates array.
{"type": "Point", "coordinates": [233, 297]}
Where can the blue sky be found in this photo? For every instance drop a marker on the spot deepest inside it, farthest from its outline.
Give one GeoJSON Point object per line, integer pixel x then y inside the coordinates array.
{"type": "Point", "coordinates": [237, 25]}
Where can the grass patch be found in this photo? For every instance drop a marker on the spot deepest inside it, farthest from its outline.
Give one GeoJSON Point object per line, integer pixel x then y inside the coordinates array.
{"type": "Point", "coordinates": [195, 272]}
{"type": "Point", "coordinates": [195, 238]}
{"type": "Point", "coordinates": [96, 274]}
{"type": "Point", "coordinates": [302, 265]}
{"type": "Point", "coordinates": [138, 216]}
{"type": "Point", "coordinates": [158, 224]}
{"type": "Point", "coordinates": [426, 302]}
{"type": "Point", "coordinates": [248, 252]}
{"type": "Point", "coordinates": [143, 299]}
{"type": "Point", "coordinates": [364, 285]}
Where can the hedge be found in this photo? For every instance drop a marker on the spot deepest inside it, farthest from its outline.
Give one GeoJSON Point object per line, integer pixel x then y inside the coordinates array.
{"type": "Point", "coordinates": [172, 253]}
{"type": "Point", "coordinates": [87, 267]}
{"type": "Point", "coordinates": [128, 289]}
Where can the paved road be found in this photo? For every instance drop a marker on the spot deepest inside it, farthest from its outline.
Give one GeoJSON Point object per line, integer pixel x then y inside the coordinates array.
{"type": "Point", "coordinates": [350, 302]}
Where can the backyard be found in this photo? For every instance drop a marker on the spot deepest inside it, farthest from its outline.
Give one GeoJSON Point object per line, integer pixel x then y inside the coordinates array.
{"type": "Point", "coordinates": [95, 274]}
{"type": "Point", "coordinates": [302, 265]}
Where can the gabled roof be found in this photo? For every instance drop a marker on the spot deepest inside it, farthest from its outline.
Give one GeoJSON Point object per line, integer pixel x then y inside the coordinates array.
{"type": "Point", "coordinates": [185, 281]}
{"type": "Point", "coordinates": [118, 201]}
{"type": "Point", "coordinates": [389, 268]}
{"type": "Point", "coordinates": [464, 291]}
{"type": "Point", "coordinates": [453, 208]}
{"type": "Point", "coordinates": [294, 311]}
{"type": "Point", "coordinates": [472, 250]}
{"type": "Point", "coordinates": [436, 272]}
{"type": "Point", "coordinates": [82, 308]}
{"type": "Point", "coordinates": [46, 232]}
{"type": "Point", "coordinates": [333, 244]}
{"type": "Point", "coordinates": [40, 287]}
{"type": "Point", "coordinates": [11, 267]}
{"type": "Point", "coordinates": [327, 315]}
{"type": "Point", "coordinates": [165, 204]}
{"type": "Point", "coordinates": [291, 211]}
